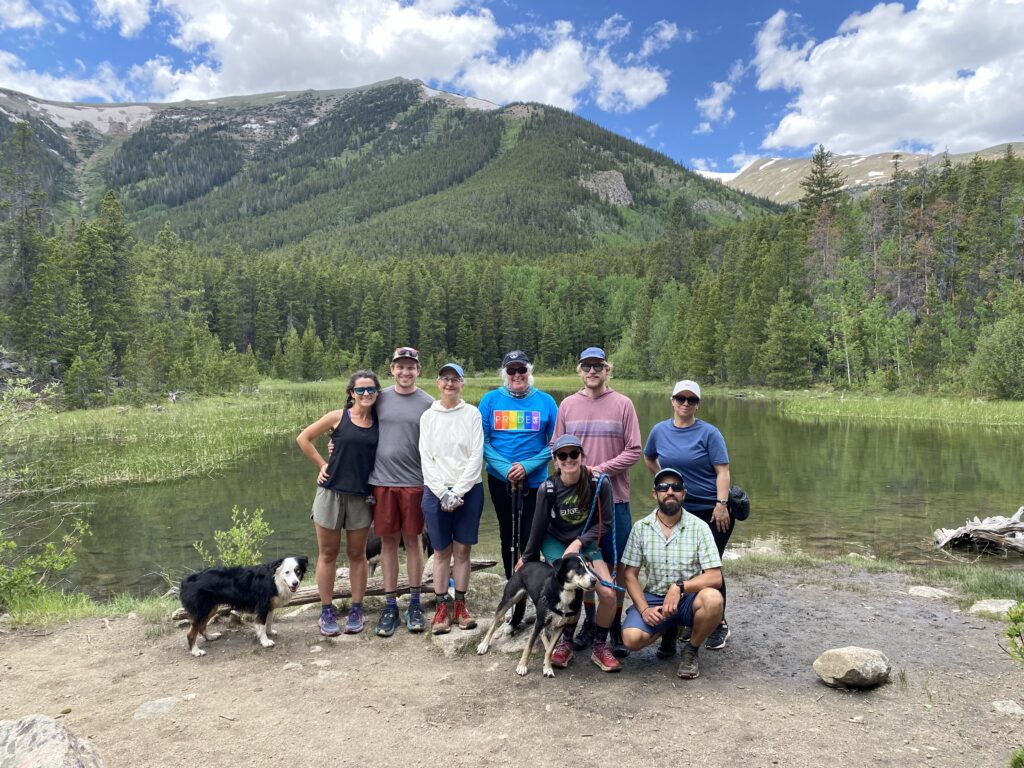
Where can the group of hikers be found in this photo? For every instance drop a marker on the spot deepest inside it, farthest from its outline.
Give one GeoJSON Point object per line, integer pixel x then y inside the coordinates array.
{"type": "Point", "coordinates": [404, 462]}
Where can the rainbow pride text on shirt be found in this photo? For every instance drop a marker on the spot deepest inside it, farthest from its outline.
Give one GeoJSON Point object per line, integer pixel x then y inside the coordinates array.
{"type": "Point", "coordinates": [517, 421]}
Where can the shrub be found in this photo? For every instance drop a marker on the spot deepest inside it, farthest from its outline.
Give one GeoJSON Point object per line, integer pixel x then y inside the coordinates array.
{"type": "Point", "coordinates": [242, 543]}
{"type": "Point", "coordinates": [1016, 633]}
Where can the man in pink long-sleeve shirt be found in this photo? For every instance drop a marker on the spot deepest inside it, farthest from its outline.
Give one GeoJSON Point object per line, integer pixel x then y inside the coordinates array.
{"type": "Point", "coordinates": [606, 423]}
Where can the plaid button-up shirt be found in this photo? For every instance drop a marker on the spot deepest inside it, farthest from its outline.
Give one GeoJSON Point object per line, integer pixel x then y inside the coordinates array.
{"type": "Point", "coordinates": [688, 550]}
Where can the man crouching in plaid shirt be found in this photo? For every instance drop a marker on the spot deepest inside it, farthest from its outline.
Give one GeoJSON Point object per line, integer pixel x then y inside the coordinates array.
{"type": "Point", "coordinates": [682, 576]}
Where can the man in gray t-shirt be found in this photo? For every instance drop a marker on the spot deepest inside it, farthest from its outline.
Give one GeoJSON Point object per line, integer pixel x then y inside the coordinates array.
{"type": "Point", "coordinates": [397, 481]}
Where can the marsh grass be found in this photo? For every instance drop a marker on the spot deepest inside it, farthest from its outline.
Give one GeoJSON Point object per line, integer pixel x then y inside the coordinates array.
{"type": "Point", "coordinates": [965, 410]}
{"type": "Point", "coordinates": [53, 606]}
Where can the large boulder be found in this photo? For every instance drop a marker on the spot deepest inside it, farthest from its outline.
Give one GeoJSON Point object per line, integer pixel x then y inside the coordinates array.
{"type": "Point", "coordinates": [995, 608]}
{"type": "Point", "coordinates": [852, 667]}
{"type": "Point", "coordinates": [38, 741]}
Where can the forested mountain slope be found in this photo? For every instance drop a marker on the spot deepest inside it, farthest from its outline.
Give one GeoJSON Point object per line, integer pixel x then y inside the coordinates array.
{"type": "Point", "coordinates": [394, 168]}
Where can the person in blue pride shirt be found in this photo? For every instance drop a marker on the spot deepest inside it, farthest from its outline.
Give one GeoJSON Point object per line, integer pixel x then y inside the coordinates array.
{"type": "Point", "coordinates": [697, 449]}
{"type": "Point", "coordinates": [518, 422]}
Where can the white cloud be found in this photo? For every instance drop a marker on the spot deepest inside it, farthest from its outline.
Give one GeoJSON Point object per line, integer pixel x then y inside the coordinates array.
{"type": "Point", "coordinates": [703, 164]}
{"type": "Point", "coordinates": [19, 14]}
{"type": "Point", "coordinates": [948, 73]}
{"type": "Point", "coordinates": [133, 15]}
{"type": "Point", "coordinates": [103, 84]}
{"type": "Point", "coordinates": [741, 159]}
{"type": "Point", "coordinates": [713, 108]}
{"type": "Point", "coordinates": [703, 127]}
{"type": "Point", "coordinates": [657, 38]}
{"type": "Point", "coordinates": [613, 29]}
{"type": "Point", "coordinates": [624, 89]}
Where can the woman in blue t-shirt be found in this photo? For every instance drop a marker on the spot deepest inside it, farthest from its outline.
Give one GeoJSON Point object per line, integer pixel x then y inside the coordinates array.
{"type": "Point", "coordinates": [697, 450]}
{"type": "Point", "coordinates": [518, 422]}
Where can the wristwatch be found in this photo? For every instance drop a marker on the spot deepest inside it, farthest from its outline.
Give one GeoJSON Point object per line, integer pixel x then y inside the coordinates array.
{"type": "Point", "coordinates": [723, 501]}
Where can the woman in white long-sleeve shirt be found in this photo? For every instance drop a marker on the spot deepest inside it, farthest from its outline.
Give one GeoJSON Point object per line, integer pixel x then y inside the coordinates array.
{"type": "Point", "coordinates": [452, 453]}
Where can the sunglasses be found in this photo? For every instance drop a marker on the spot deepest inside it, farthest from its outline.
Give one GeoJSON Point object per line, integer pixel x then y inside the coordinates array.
{"type": "Point", "coordinates": [365, 390]}
{"type": "Point", "coordinates": [515, 371]}
{"type": "Point", "coordinates": [662, 487]}
{"type": "Point", "coordinates": [449, 379]}
{"type": "Point", "coordinates": [588, 367]}
{"type": "Point", "coordinates": [566, 455]}
{"type": "Point", "coordinates": [682, 399]}
{"type": "Point", "coordinates": [407, 352]}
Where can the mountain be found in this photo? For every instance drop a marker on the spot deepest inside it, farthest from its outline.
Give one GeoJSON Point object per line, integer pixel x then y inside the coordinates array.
{"type": "Point", "coordinates": [778, 179]}
{"type": "Point", "coordinates": [391, 168]}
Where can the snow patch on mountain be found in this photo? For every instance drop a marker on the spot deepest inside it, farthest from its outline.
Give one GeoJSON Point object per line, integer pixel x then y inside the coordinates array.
{"type": "Point", "coordinates": [108, 118]}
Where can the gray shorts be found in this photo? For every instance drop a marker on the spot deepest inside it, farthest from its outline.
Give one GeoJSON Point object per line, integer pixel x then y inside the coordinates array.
{"type": "Point", "coordinates": [336, 510]}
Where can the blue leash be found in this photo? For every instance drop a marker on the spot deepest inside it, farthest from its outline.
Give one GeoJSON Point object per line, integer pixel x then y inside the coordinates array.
{"type": "Point", "coordinates": [615, 554]}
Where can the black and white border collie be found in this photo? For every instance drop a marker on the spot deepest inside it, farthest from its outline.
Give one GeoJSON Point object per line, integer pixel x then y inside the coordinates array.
{"type": "Point", "coordinates": [257, 589]}
{"type": "Point", "coordinates": [557, 593]}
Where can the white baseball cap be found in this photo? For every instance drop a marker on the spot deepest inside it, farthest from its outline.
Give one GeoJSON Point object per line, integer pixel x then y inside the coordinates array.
{"type": "Point", "coordinates": [686, 386]}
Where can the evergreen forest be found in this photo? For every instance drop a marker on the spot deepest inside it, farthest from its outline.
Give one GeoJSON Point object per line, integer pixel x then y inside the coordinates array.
{"type": "Point", "coordinates": [201, 271]}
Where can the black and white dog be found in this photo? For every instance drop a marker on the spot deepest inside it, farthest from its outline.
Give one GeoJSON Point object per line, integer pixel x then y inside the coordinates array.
{"type": "Point", "coordinates": [257, 589]}
{"type": "Point", "coordinates": [557, 593]}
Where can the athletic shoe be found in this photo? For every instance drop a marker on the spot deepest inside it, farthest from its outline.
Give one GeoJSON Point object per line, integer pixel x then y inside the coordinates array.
{"type": "Point", "coordinates": [562, 655]}
{"type": "Point", "coordinates": [585, 636]}
{"type": "Point", "coordinates": [441, 624]}
{"type": "Point", "coordinates": [716, 640]}
{"type": "Point", "coordinates": [388, 621]}
{"type": "Point", "coordinates": [462, 616]}
{"type": "Point", "coordinates": [354, 624]}
{"type": "Point", "coordinates": [667, 649]}
{"type": "Point", "coordinates": [689, 668]}
{"type": "Point", "coordinates": [414, 618]}
{"type": "Point", "coordinates": [603, 657]}
{"type": "Point", "coordinates": [328, 623]}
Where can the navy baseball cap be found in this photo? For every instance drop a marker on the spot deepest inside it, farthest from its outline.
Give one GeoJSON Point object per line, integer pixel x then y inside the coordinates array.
{"type": "Point", "coordinates": [669, 472]}
{"type": "Point", "coordinates": [566, 441]}
{"type": "Point", "coordinates": [592, 353]}
{"type": "Point", "coordinates": [515, 356]}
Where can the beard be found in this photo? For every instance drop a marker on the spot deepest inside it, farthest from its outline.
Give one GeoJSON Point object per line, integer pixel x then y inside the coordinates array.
{"type": "Point", "coordinates": [670, 507]}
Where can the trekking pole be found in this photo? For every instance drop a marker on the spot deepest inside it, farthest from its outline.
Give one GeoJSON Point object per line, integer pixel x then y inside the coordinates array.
{"type": "Point", "coordinates": [517, 519]}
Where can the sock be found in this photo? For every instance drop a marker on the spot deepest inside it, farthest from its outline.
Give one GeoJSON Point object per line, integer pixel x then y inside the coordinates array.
{"type": "Point", "coordinates": [567, 634]}
{"type": "Point", "coordinates": [414, 595]}
{"type": "Point", "coordinates": [324, 607]}
{"type": "Point", "coordinates": [391, 598]}
{"type": "Point", "coordinates": [460, 595]}
{"type": "Point", "coordinates": [600, 635]}
{"type": "Point", "coordinates": [440, 597]}
{"type": "Point", "coordinates": [357, 605]}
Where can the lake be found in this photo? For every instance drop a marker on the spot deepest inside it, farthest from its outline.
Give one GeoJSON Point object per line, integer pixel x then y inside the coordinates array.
{"type": "Point", "coordinates": [825, 487]}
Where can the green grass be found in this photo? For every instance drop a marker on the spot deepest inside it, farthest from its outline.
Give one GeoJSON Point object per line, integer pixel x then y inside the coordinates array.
{"type": "Point", "coordinates": [53, 606]}
{"type": "Point", "coordinates": [998, 413]}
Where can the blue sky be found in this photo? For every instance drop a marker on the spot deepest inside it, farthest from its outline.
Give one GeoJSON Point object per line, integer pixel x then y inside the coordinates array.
{"type": "Point", "coordinates": [711, 84]}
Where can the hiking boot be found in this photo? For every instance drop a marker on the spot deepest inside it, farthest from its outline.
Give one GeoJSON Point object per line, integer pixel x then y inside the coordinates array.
{"type": "Point", "coordinates": [619, 649]}
{"type": "Point", "coordinates": [562, 655]}
{"type": "Point", "coordinates": [603, 657]}
{"type": "Point", "coordinates": [716, 640]}
{"type": "Point", "coordinates": [414, 618]}
{"type": "Point", "coordinates": [328, 623]}
{"type": "Point", "coordinates": [354, 624]}
{"type": "Point", "coordinates": [667, 649]}
{"type": "Point", "coordinates": [441, 624]}
{"type": "Point", "coordinates": [585, 636]}
{"type": "Point", "coordinates": [462, 616]}
{"type": "Point", "coordinates": [689, 668]}
{"type": "Point", "coordinates": [388, 621]}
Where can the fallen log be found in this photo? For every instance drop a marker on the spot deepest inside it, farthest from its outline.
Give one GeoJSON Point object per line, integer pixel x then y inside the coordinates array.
{"type": "Point", "coordinates": [342, 588]}
{"type": "Point", "coordinates": [1005, 534]}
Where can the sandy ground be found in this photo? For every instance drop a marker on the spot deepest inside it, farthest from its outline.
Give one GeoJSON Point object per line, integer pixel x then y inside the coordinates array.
{"type": "Point", "coordinates": [403, 701]}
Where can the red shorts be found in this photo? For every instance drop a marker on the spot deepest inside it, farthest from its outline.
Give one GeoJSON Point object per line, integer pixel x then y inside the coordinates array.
{"type": "Point", "coordinates": [397, 509]}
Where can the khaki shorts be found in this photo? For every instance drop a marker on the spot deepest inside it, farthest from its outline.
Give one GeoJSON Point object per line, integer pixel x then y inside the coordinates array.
{"type": "Point", "coordinates": [336, 510]}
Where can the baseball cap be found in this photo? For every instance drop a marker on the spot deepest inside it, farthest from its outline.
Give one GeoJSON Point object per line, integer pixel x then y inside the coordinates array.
{"type": "Point", "coordinates": [592, 353]}
{"type": "Point", "coordinates": [408, 352]}
{"type": "Point", "coordinates": [566, 441]}
{"type": "Point", "coordinates": [669, 472]}
{"type": "Point", "coordinates": [686, 386]}
{"type": "Point", "coordinates": [452, 367]}
{"type": "Point", "coordinates": [515, 356]}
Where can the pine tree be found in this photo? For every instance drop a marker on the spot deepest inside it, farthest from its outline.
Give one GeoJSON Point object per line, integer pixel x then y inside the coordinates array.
{"type": "Point", "coordinates": [823, 183]}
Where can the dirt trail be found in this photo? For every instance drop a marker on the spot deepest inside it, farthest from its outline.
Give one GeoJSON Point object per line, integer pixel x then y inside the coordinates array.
{"type": "Point", "coordinates": [401, 701]}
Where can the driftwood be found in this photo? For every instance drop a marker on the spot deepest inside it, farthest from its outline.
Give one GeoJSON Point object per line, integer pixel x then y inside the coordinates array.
{"type": "Point", "coordinates": [342, 588]}
{"type": "Point", "coordinates": [1005, 534]}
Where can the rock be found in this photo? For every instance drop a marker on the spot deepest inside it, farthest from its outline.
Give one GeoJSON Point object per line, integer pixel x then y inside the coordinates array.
{"type": "Point", "coordinates": [852, 667]}
{"type": "Point", "coordinates": [1008, 708]}
{"type": "Point", "coordinates": [38, 740]}
{"type": "Point", "coordinates": [155, 708]}
{"type": "Point", "coordinates": [290, 666]}
{"type": "Point", "coordinates": [326, 675]}
{"type": "Point", "coordinates": [316, 649]}
{"type": "Point", "coordinates": [322, 663]}
{"type": "Point", "coordinates": [459, 640]}
{"type": "Point", "coordinates": [610, 186]}
{"type": "Point", "coordinates": [931, 593]}
{"type": "Point", "coordinates": [996, 608]}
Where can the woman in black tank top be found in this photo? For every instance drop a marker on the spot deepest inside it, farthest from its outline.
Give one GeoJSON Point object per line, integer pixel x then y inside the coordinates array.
{"type": "Point", "coordinates": [342, 491]}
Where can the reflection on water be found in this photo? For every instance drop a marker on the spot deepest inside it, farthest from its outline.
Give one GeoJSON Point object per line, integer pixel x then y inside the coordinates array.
{"type": "Point", "coordinates": [822, 487]}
